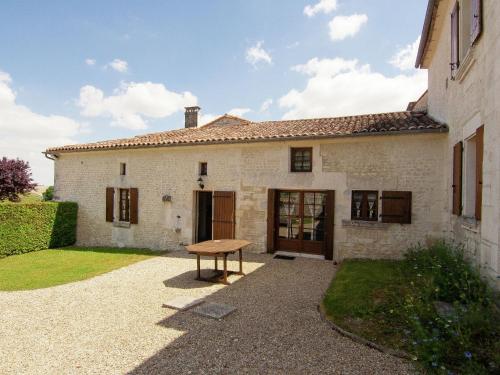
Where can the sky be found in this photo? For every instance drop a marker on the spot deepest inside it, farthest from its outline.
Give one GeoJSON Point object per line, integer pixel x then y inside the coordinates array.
{"type": "Point", "coordinates": [80, 71]}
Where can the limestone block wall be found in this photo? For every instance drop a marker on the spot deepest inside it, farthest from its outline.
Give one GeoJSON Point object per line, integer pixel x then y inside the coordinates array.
{"type": "Point", "coordinates": [472, 100]}
{"type": "Point", "coordinates": [411, 163]}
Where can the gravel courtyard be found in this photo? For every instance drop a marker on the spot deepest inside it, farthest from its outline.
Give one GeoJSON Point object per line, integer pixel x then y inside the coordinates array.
{"type": "Point", "coordinates": [115, 324]}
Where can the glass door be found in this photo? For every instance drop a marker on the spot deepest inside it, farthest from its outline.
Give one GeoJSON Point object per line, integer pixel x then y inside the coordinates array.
{"type": "Point", "coordinates": [301, 222]}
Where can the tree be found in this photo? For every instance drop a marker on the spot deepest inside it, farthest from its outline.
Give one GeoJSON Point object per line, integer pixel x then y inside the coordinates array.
{"type": "Point", "coordinates": [48, 194]}
{"type": "Point", "coordinates": [15, 179]}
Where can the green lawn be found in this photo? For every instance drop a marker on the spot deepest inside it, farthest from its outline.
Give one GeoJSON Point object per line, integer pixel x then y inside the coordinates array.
{"type": "Point", "coordinates": [45, 268]}
{"type": "Point", "coordinates": [362, 299]}
{"type": "Point", "coordinates": [28, 198]}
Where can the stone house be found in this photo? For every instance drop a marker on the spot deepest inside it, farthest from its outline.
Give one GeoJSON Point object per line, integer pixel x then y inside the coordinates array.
{"type": "Point", "coordinates": [460, 47]}
{"type": "Point", "coordinates": [336, 188]}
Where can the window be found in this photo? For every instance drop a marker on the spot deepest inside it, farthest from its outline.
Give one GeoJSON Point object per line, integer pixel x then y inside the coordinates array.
{"type": "Point", "coordinates": [466, 25]}
{"type": "Point", "coordinates": [203, 169]}
{"type": "Point", "coordinates": [301, 159]}
{"type": "Point", "coordinates": [123, 169]}
{"type": "Point", "coordinates": [364, 205]}
{"type": "Point", "coordinates": [124, 205]}
{"type": "Point", "coordinates": [473, 171]}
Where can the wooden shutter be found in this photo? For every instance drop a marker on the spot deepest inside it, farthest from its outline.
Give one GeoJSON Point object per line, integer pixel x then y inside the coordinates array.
{"type": "Point", "coordinates": [454, 39]}
{"type": "Point", "coordinates": [110, 200]}
{"type": "Point", "coordinates": [457, 179]}
{"type": "Point", "coordinates": [479, 170]}
{"type": "Point", "coordinates": [396, 207]}
{"type": "Point", "coordinates": [476, 21]}
{"type": "Point", "coordinates": [329, 224]}
{"type": "Point", "coordinates": [134, 206]}
{"type": "Point", "coordinates": [271, 219]}
{"type": "Point", "coordinates": [223, 221]}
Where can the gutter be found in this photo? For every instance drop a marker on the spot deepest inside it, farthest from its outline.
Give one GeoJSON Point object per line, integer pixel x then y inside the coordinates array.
{"type": "Point", "coordinates": [249, 141]}
{"type": "Point", "coordinates": [50, 155]}
{"type": "Point", "coordinates": [426, 31]}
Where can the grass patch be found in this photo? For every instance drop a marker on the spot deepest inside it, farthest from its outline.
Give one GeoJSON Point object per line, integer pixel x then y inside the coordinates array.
{"type": "Point", "coordinates": [45, 268]}
{"type": "Point", "coordinates": [363, 298]}
{"type": "Point", "coordinates": [396, 305]}
{"type": "Point", "coordinates": [26, 198]}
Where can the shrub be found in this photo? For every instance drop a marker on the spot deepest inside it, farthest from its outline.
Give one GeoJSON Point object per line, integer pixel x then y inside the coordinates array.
{"type": "Point", "coordinates": [464, 340]}
{"type": "Point", "coordinates": [15, 179]}
{"type": "Point", "coordinates": [31, 227]}
{"type": "Point", "coordinates": [48, 194]}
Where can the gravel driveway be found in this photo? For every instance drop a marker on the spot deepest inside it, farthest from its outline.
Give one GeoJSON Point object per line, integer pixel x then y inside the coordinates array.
{"type": "Point", "coordinates": [115, 324]}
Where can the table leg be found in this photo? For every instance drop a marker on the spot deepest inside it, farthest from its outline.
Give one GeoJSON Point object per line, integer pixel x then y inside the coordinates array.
{"type": "Point", "coordinates": [225, 268]}
{"type": "Point", "coordinates": [215, 257]}
{"type": "Point", "coordinates": [241, 262]}
{"type": "Point", "coordinates": [198, 265]}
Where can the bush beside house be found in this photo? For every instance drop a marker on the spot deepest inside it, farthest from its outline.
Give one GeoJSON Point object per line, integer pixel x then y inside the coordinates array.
{"type": "Point", "coordinates": [32, 227]}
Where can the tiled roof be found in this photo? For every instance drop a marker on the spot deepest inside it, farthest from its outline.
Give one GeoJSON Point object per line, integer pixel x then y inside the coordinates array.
{"type": "Point", "coordinates": [230, 129]}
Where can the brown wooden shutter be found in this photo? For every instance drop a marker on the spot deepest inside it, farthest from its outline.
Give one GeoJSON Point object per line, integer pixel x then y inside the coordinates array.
{"type": "Point", "coordinates": [134, 206]}
{"type": "Point", "coordinates": [457, 179]}
{"type": "Point", "coordinates": [271, 220]}
{"type": "Point", "coordinates": [329, 224]}
{"type": "Point", "coordinates": [476, 21]}
{"type": "Point", "coordinates": [396, 207]}
{"type": "Point", "coordinates": [479, 170]}
{"type": "Point", "coordinates": [224, 210]}
{"type": "Point", "coordinates": [110, 200]}
{"type": "Point", "coordinates": [454, 39]}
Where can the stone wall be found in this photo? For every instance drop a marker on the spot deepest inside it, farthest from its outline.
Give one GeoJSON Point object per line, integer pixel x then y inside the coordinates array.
{"type": "Point", "coordinates": [411, 162]}
{"type": "Point", "coordinates": [464, 104]}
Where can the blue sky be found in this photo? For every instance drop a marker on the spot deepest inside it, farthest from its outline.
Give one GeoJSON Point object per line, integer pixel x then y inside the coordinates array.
{"type": "Point", "coordinates": [74, 71]}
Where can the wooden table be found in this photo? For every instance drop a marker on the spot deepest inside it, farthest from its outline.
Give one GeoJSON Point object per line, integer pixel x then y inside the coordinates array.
{"type": "Point", "coordinates": [216, 248]}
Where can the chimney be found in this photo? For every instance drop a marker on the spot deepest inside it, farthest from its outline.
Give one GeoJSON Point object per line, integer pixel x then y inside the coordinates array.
{"type": "Point", "coordinates": [191, 117]}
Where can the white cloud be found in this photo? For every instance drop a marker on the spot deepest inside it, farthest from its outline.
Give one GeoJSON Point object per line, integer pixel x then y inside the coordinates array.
{"type": "Point", "coordinates": [239, 112]}
{"type": "Point", "coordinates": [206, 118]}
{"type": "Point", "coordinates": [338, 87]}
{"type": "Point", "coordinates": [90, 62]}
{"type": "Point", "coordinates": [119, 65]}
{"type": "Point", "coordinates": [405, 58]}
{"type": "Point", "coordinates": [25, 134]}
{"type": "Point", "coordinates": [266, 104]}
{"type": "Point", "coordinates": [257, 54]}
{"type": "Point", "coordinates": [324, 6]}
{"type": "Point", "coordinates": [132, 102]}
{"type": "Point", "coordinates": [342, 27]}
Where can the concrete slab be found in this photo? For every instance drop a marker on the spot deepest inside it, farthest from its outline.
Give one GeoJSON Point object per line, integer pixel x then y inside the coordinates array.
{"type": "Point", "coordinates": [183, 302]}
{"type": "Point", "coordinates": [214, 310]}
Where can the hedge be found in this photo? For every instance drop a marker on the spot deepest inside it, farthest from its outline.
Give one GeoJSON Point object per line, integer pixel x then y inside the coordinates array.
{"type": "Point", "coordinates": [36, 226]}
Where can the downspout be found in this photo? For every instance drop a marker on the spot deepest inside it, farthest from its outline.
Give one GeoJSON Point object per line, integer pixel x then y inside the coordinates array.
{"type": "Point", "coordinates": [50, 156]}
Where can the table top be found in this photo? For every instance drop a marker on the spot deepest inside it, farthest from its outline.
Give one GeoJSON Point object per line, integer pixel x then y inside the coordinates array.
{"type": "Point", "coordinates": [217, 246]}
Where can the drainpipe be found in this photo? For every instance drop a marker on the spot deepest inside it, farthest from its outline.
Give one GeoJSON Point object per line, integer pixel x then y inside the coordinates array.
{"type": "Point", "coordinates": [50, 156]}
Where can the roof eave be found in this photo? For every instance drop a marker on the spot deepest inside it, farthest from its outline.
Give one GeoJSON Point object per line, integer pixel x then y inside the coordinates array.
{"type": "Point", "coordinates": [426, 32]}
{"type": "Point", "coordinates": [443, 129]}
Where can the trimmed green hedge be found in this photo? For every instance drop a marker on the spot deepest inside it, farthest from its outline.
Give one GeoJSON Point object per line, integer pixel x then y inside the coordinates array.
{"type": "Point", "coordinates": [37, 226]}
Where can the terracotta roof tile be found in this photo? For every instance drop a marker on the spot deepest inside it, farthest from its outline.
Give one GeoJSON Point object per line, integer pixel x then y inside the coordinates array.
{"type": "Point", "coordinates": [231, 129]}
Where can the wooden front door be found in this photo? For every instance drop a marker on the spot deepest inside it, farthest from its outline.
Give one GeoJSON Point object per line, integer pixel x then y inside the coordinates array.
{"type": "Point", "coordinates": [224, 205]}
{"type": "Point", "coordinates": [304, 221]}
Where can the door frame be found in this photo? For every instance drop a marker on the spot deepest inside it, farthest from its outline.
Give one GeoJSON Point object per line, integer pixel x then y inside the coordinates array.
{"type": "Point", "coordinates": [273, 219]}
{"type": "Point", "coordinates": [196, 210]}
{"type": "Point", "coordinates": [196, 194]}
